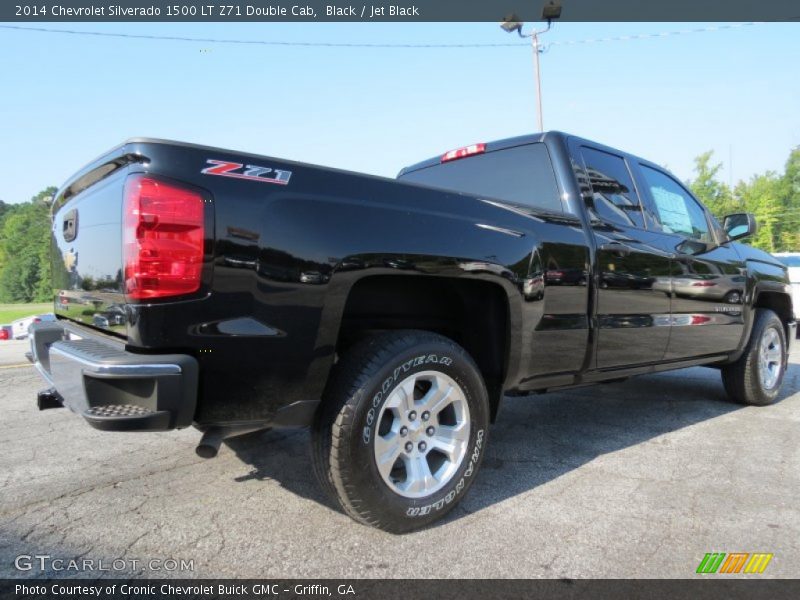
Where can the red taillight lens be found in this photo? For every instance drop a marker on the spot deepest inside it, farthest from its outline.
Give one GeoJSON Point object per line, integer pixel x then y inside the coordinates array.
{"type": "Point", "coordinates": [162, 238]}
{"type": "Point", "coordinates": [4, 334]}
{"type": "Point", "coordinates": [703, 284]}
{"type": "Point", "coordinates": [463, 152]}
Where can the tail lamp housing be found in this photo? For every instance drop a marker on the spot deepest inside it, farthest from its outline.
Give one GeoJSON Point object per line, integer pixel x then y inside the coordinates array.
{"type": "Point", "coordinates": [163, 238]}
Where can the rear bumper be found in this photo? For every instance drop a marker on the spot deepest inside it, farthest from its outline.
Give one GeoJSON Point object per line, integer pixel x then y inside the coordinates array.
{"type": "Point", "coordinates": [114, 389]}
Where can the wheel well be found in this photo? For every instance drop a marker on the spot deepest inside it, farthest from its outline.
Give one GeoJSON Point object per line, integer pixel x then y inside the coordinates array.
{"type": "Point", "coordinates": [780, 304]}
{"type": "Point", "coordinates": [473, 313]}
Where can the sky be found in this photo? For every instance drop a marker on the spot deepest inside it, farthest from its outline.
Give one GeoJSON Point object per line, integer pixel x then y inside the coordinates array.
{"type": "Point", "coordinates": [65, 99]}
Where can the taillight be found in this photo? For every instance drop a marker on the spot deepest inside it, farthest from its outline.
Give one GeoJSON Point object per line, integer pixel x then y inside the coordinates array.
{"type": "Point", "coordinates": [463, 152]}
{"type": "Point", "coordinates": [4, 334]}
{"type": "Point", "coordinates": [703, 284]}
{"type": "Point", "coordinates": [162, 238]}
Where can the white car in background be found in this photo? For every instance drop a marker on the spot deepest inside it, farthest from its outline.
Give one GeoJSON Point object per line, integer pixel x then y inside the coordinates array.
{"type": "Point", "coordinates": [19, 328]}
{"type": "Point", "coordinates": [792, 260]}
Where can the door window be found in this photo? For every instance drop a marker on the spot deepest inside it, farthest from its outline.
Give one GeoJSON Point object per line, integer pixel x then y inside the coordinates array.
{"type": "Point", "coordinates": [677, 211]}
{"type": "Point", "coordinates": [614, 198]}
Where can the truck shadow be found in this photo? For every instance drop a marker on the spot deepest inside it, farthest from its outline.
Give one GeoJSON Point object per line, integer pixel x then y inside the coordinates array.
{"type": "Point", "coordinates": [539, 438]}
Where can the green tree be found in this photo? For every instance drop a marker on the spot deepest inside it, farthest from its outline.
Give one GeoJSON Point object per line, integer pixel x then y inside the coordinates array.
{"type": "Point", "coordinates": [25, 250]}
{"type": "Point", "coordinates": [790, 234]}
{"type": "Point", "coordinates": [762, 196]}
{"type": "Point", "coordinates": [773, 198]}
{"type": "Point", "coordinates": [4, 208]}
{"type": "Point", "coordinates": [709, 190]}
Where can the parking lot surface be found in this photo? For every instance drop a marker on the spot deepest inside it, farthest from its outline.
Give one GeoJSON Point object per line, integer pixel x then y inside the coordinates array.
{"type": "Point", "coordinates": [632, 479]}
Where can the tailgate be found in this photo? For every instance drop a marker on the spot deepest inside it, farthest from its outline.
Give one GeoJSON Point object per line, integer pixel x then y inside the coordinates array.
{"type": "Point", "coordinates": [87, 265]}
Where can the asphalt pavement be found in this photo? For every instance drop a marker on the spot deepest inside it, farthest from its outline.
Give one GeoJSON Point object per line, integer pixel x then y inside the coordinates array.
{"type": "Point", "coordinates": [634, 479]}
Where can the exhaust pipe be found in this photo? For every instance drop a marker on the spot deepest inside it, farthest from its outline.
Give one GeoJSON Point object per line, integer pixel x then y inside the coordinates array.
{"type": "Point", "coordinates": [213, 437]}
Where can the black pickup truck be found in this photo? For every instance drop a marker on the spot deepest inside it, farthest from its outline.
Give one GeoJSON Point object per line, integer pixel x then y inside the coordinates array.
{"type": "Point", "coordinates": [234, 292]}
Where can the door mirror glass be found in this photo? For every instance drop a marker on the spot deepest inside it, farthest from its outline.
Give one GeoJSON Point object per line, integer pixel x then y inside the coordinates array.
{"type": "Point", "coordinates": [739, 225]}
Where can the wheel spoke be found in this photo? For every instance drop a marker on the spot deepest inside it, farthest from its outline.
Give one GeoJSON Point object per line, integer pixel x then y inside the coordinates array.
{"type": "Point", "coordinates": [452, 433]}
{"type": "Point", "coordinates": [450, 440]}
{"type": "Point", "coordinates": [438, 397]}
{"type": "Point", "coordinates": [387, 449]}
{"type": "Point", "coordinates": [402, 398]}
{"type": "Point", "coordinates": [419, 476]}
{"type": "Point", "coordinates": [449, 449]}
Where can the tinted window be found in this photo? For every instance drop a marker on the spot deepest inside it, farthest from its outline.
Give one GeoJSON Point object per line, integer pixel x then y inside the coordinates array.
{"type": "Point", "coordinates": [614, 197]}
{"type": "Point", "coordinates": [522, 174]}
{"type": "Point", "coordinates": [677, 211]}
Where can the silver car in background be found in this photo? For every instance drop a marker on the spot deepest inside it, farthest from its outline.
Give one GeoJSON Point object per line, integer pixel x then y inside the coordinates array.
{"type": "Point", "coordinates": [725, 288]}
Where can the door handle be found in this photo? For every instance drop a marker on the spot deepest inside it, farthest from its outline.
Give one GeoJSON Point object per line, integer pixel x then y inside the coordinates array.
{"type": "Point", "coordinates": [617, 248]}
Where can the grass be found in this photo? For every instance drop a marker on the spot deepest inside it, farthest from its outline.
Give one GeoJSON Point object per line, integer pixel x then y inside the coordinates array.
{"type": "Point", "coordinates": [11, 312]}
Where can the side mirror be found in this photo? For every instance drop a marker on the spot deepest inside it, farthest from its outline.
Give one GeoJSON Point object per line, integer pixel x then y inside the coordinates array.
{"type": "Point", "coordinates": [740, 225]}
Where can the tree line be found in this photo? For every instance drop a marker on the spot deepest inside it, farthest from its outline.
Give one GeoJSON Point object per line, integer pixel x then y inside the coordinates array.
{"type": "Point", "coordinates": [25, 249]}
{"type": "Point", "coordinates": [774, 198]}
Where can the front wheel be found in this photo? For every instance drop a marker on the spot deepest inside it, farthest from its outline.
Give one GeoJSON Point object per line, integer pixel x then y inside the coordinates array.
{"type": "Point", "coordinates": [402, 429]}
{"type": "Point", "coordinates": [757, 376]}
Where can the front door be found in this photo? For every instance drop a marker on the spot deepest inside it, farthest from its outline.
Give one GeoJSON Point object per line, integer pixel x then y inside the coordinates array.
{"type": "Point", "coordinates": [708, 280]}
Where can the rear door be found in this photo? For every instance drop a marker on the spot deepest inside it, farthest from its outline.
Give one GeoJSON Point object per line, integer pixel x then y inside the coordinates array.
{"type": "Point", "coordinates": [632, 275]}
{"type": "Point", "coordinates": [708, 280]}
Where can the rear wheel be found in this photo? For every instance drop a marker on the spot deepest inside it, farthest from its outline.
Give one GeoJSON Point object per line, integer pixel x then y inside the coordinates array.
{"type": "Point", "coordinates": [757, 376]}
{"type": "Point", "coordinates": [401, 432]}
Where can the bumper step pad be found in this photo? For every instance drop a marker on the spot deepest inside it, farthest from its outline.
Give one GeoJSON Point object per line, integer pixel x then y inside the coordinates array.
{"type": "Point", "coordinates": [126, 417]}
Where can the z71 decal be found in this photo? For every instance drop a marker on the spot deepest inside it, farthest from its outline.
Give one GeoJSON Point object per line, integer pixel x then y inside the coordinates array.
{"type": "Point", "coordinates": [251, 172]}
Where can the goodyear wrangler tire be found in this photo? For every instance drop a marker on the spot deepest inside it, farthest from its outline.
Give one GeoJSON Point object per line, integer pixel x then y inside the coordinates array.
{"type": "Point", "coordinates": [402, 430]}
{"type": "Point", "coordinates": [757, 376]}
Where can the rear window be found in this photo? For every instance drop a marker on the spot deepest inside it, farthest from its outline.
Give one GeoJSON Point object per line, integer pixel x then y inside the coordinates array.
{"type": "Point", "coordinates": [523, 175]}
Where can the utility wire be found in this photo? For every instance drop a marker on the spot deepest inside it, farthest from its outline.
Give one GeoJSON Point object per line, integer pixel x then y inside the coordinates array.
{"type": "Point", "coordinates": [173, 38]}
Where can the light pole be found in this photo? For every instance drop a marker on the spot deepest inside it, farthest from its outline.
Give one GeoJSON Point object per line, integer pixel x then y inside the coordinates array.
{"type": "Point", "coordinates": [551, 11]}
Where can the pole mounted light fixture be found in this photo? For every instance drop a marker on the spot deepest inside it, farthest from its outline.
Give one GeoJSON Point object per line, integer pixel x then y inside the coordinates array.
{"type": "Point", "coordinates": [550, 12]}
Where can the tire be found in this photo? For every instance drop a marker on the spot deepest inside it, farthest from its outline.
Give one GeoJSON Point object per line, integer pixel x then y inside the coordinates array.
{"type": "Point", "coordinates": [744, 380]}
{"type": "Point", "coordinates": [366, 415]}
